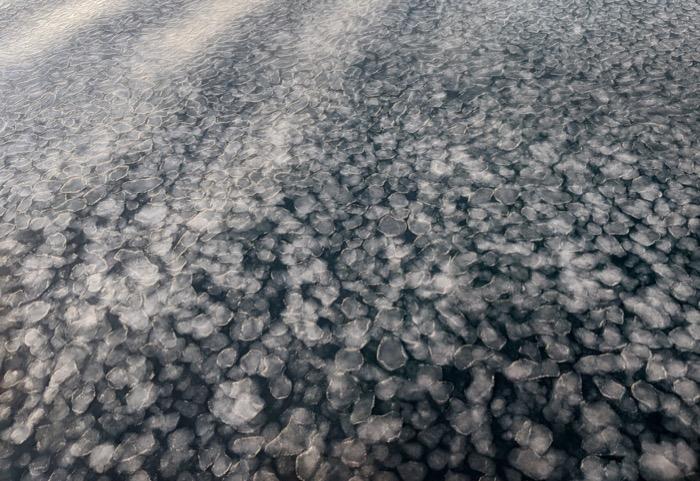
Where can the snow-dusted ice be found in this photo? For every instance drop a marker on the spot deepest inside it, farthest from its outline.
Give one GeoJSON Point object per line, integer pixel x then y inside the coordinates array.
{"type": "Point", "coordinates": [362, 240]}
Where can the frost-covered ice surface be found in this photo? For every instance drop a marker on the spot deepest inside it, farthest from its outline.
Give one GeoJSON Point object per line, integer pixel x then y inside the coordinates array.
{"type": "Point", "coordinates": [367, 240]}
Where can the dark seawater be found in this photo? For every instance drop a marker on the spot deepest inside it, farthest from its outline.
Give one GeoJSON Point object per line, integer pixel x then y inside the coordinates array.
{"type": "Point", "coordinates": [360, 240]}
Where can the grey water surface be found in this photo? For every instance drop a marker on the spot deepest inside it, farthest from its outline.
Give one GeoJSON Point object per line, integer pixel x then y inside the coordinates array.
{"type": "Point", "coordinates": [333, 240]}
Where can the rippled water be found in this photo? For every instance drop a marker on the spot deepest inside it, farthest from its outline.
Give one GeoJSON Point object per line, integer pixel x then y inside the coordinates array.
{"type": "Point", "coordinates": [349, 240]}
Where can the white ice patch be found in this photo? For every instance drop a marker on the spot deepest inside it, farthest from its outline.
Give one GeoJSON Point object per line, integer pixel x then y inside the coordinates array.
{"type": "Point", "coordinates": [172, 47]}
{"type": "Point", "coordinates": [52, 26]}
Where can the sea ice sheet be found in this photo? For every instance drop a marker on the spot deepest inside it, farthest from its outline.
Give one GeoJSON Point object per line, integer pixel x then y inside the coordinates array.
{"type": "Point", "coordinates": [360, 240]}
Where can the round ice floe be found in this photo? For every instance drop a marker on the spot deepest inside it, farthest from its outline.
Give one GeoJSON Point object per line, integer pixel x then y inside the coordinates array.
{"type": "Point", "coordinates": [140, 186]}
{"type": "Point", "coordinates": [390, 353]}
{"type": "Point", "coordinates": [101, 457]}
{"type": "Point", "coordinates": [391, 226]}
{"type": "Point", "coordinates": [236, 403]}
{"type": "Point", "coordinates": [380, 429]}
